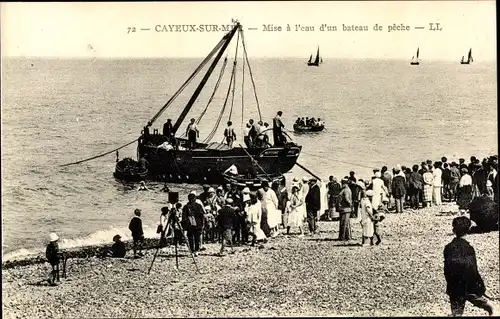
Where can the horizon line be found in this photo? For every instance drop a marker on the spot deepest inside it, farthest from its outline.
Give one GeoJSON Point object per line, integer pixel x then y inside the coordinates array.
{"type": "Point", "coordinates": [202, 57]}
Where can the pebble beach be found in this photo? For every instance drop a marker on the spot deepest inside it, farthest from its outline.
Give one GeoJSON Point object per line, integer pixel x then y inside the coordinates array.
{"type": "Point", "coordinates": [288, 276]}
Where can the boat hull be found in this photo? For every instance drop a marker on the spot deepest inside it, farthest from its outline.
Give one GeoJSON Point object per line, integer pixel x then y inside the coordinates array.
{"type": "Point", "coordinates": [312, 64]}
{"type": "Point", "coordinates": [414, 63]}
{"type": "Point", "coordinates": [302, 129]}
{"type": "Point", "coordinates": [207, 165]}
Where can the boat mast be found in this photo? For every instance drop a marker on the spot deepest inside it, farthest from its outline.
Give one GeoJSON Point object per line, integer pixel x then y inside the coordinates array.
{"type": "Point", "coordinates": [227, 38]}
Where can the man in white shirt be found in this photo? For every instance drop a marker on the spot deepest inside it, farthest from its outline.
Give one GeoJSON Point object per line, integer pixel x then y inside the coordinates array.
{"type": "Point", "coordinates": [246, 135]}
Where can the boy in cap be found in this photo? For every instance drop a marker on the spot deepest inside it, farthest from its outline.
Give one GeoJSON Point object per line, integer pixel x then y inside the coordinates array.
{"type": "Point", "coordinates": [53, 257]}
{"type": "Point", "coordinates": [135, 227]}
{"type": "Point", "coordinates": [460, 270]}
{"type": "Point", "coordinates": [118, 249]}
{"type": "Point", "coordinates": [226, 224]}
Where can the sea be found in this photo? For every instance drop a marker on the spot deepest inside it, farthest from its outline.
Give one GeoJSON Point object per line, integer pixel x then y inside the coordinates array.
{"type": "Point", "coordinates": [59, 111]}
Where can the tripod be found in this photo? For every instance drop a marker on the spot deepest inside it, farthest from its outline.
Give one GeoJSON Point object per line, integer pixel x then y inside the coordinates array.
{"type": "Point", "coordinates": [173, 225]}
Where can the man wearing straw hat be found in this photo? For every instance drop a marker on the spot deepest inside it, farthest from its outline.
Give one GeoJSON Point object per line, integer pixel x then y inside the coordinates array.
{"type": "Point", "coordinates": [53, 257]}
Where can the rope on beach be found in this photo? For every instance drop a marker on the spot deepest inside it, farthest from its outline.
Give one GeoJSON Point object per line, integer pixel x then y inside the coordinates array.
{"type": "Point", "coordinates": [100, 155]}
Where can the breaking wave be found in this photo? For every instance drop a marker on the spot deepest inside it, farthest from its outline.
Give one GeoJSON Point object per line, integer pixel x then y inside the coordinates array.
{"type": "Point", "coordinates": [101, 237]}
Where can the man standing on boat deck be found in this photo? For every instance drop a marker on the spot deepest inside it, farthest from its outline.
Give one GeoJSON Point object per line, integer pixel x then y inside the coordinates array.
{"type": "Point", "coordinates": [277, 129]}
{"type": "Point", "coordinates": [253, 132]}
{"type": "Point", "coordinates": [192, 133]}
{"type": "Point", "coordinates": [246, 135]}
{"type": "Point", "coordinates": [167, 129]}
{"type": "Point", "coordinates": [229, 134]}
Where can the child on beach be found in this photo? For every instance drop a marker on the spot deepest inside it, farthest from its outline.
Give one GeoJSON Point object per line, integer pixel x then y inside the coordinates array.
{"type": "Point", "coordinates": [378, 217]}
{"type": "Point", "coordinates": [53, 257]}
{"type": "Point", "coordinates": [464, 283]}
{"type": "Point", "coordinates": [135, 227]}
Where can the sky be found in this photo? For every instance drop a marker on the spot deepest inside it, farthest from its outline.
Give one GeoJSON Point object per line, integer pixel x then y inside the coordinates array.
{"type": "Point", "coordinates": [100, 30]}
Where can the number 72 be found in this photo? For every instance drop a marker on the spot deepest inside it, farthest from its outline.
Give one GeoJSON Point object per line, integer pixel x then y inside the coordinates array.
{"type": "Point", "coordinates": [130, 29]}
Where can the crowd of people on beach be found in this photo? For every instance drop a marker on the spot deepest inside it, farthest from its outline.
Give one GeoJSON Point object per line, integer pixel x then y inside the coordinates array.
{"type": "Point", "coordinates": [233, 217]}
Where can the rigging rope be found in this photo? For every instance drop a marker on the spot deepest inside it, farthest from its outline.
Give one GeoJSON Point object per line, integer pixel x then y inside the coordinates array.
{"type": "Point", "coordinates": [221, 74]}
{"type": "Point", "coordinates": [234, 78]}
{"type": "Point", "coordinates": [100, 155]}
{"type": "Point", "coordinates": [242, 94]}
{"type": "Point", "coordinates": [190, 78]}
{"type": "Point", "coordinates": [214, 130]}
{"type": "Point", "coordinates": [251, 75]}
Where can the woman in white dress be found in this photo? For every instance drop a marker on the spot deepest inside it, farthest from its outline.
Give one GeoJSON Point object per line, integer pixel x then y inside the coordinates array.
{"type": "Point", "coordinates": [273, 214]}
{"type": "Point", "coordinates": [296, 218]}
{"type": "Point", "coordinates": [377, 184]}
{"type": "Point", "coordinates": [366, 217]}
{"type": "Point", "coordinates": [254, 211]}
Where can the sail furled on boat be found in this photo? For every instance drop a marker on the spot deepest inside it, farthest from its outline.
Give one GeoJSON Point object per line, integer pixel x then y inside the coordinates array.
{"type": "Point", "coordinates": [418, 51]}
{"type": "Point", "coordinates": [227, 39]}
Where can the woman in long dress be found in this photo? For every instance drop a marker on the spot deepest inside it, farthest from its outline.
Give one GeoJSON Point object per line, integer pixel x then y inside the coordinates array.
{"type": "Point", "coordinates": [366, 217]}
{"type": "Point", "coordinates": [295, 218]}
{"type": "Point", "coordinates": [345, 203]}
{"type": "Point", "coordinates": [254, 212]}
{"type": "Point", "coordinates": [377, 184]}
{"type": "Point", "coordinates": [428, 186]}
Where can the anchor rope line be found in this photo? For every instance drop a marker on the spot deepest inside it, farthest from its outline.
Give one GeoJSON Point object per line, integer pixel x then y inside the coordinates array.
{"type": "Point", "coordinates": [100, 155]}
{"type": "Point", "coordinates": [190, 78]}
{"type": "Point", "coordinates": [214, 130]}
{"type": "Point", "coordinates": [234, 78]}
{"type": "Point", "coordinates": [332, 160]}
{"type": "Point", "coordinates": [221, 75]}
{"type": "Point", "coordinates": [250, 71]}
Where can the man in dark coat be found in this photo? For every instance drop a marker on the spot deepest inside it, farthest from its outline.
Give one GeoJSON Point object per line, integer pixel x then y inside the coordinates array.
{"type": "Point", "coordinates": [313, 204]}
{"type": "Point", "coordinates": [399, 190]}
{"type": "Point", "coordinates": [135, 228]}
{"type": "Point", "coordinates": [464, 283]}
{"type": "Point", "coordinates": [415, 186]}
{"type": "Point", "coordinates": [193, 219]}
{"type": "Point", "coordinates": [227, 219]}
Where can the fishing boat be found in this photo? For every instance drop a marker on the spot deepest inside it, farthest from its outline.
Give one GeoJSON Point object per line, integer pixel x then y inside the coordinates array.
{"type": "Point", "coordinates": [415, 62]}
{"type": "Point", "coordinates": [316, 61]}
{"type": "Point", "coordinates": [469, 58]}
{"type": "Point", "coordinates": [308, 128]}
{"type": "Point", "coordinates": [177, 160]}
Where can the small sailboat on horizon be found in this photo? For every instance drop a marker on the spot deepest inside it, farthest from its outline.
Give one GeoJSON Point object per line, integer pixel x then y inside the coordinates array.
{"type": "Point", "coordinates": [415, 62]}
{"type": "Point", "coordinates": [316, 61]}
{"type": "Point", "coordinates": [469, 58]}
